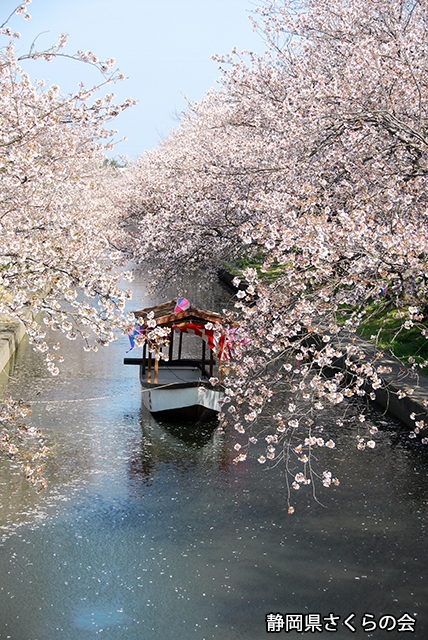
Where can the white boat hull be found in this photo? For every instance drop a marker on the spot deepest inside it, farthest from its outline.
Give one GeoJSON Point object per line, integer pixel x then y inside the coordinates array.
{"type": "Point", "coordinates": [181, 393]}
{"type": "Point", "coordinates": [171, 399]}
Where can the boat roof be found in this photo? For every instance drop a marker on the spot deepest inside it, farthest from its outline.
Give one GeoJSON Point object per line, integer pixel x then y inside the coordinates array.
{"type": "Point", "coordinates": [165, 316]}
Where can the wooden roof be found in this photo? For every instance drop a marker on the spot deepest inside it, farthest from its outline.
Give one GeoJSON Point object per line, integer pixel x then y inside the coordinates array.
{"type": "Point", "coordinates": [165, 316]}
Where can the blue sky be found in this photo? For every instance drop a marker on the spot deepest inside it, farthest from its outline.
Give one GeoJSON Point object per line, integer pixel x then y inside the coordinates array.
{"type": "Point", "coordinates": [163, 47]}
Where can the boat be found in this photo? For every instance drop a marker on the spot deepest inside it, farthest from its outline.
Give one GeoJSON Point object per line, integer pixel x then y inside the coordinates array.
{"type": "Point", "coordinates": [178, 386]}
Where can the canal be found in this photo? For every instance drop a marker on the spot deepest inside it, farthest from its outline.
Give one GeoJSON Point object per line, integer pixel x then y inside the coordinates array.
{"type": "Point", "coordinates": [147, 532]}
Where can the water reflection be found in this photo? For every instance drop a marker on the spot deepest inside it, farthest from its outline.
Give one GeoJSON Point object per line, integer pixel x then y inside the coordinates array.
{"type": "Point", "coordinates": [175, 449]}
{"type": "Point", "coordinates": [194, 437]}
{"type": "Point", "coordinates": [96, 619]}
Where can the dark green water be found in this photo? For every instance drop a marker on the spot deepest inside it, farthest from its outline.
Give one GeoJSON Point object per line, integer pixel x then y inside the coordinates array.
{"type": "Point", "coordinates": [145, 532]}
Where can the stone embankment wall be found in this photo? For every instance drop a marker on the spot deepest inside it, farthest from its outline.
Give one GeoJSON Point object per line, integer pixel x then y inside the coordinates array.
{"type": "Point", "coordinates": [403, 392]}
{"type": "Point", "coordinates": [11, 334]}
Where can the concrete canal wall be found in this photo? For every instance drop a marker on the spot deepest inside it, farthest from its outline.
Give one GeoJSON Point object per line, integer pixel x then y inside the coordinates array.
{"type": "Point", "coordinates": [397, 380]}
{"type": "Point", "coordinates": [11, 333]}
{"type": "Point", "coordinates": [398, 377]}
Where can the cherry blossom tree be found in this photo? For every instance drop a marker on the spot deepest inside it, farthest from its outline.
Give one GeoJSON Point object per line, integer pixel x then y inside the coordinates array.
{"type": "Point", "coordinates": [311, 159]}
{"type": "Point", "coordinates": [59, 228]}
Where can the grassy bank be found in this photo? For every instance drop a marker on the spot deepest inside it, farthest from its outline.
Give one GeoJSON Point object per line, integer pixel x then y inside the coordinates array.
{"type": "Point", "coordinates": [391, 330]}
{"type": "Point", "coordinates": [382, 324]}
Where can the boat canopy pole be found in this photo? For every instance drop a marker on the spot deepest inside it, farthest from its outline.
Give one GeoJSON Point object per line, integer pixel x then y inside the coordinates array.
{"type": "Point", "coordinates": [203, 357]}
{"type": "Point", "coordinates": [171, 345]}
{"type": "Point", "coordinates": [180, 345]}
{"type": "Point", "coordinates": [156, 366]}
{"type": "Point", "coordinates": [149, 368]}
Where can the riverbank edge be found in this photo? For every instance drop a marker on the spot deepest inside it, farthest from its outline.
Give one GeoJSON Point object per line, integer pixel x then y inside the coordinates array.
{"type": "Point", "coordinates": [12, 332]}
{"type": "Point", "coordinates": [398, 380]}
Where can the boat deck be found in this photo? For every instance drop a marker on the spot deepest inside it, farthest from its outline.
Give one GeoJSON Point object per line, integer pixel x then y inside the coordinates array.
{"type": "Point", "coordinates": [166, 375]}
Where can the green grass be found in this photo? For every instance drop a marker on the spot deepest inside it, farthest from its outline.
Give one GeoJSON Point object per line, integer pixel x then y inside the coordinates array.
{"type": "Point", "coordinates": [381, 324]}
{"type": "Point", "coordinates": [274, 272]}
{"type": "Point", "coordinates": [385, 328]}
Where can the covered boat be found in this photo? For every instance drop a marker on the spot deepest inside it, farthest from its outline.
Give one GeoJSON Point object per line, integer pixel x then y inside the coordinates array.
{"type": "Point", "coordinates": [176, 385]}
